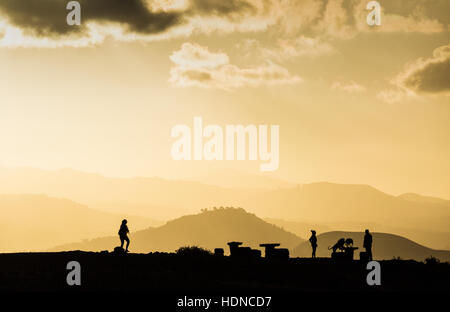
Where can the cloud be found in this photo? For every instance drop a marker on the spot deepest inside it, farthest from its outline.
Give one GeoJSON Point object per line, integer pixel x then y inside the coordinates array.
{"type": "Point", "coordinates": [309, 25]}
{"type": "Point", "coordinates": [345, 19]}
{"type": "Point", "coordinates": [349, 86]}
{"type": "Point", "coordinates": [196, 66]}
{"type": "Point", "coordinates": [405, 16]}
{"type": "Point", "coordinates": [285, 48]}
{"type": "Point", "coordinates": [48, 17]}
{"type": "Point", "coordinates": [43, 22]}
{"type": "Point", "coordinates": [427, 75]}
{"type": "Point", "coordinates": [221, 7]}
{"type": "Point", "coordinates": [391, 95]}
{"type": "Point", "coordinates": [336, 20]}
{"type": "Point", "coordinates": [424, 76]}
{"type": "Point", "coordinates": [195, 56]}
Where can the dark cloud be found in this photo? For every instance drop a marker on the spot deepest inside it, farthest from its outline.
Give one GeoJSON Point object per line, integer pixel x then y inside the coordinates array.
{"type": "Point", "coordinates": [41, 16]}
{"type": "Point", "coordinates": [48, 17]}
{"type": "Point", "coordinates": [431, 75]}
{"type": "Point", "coordinates": [222, 7]}
{"type": "Point", "coordinates": [132, 13]}
{"type": "Point", "coordinates": [432, 78]}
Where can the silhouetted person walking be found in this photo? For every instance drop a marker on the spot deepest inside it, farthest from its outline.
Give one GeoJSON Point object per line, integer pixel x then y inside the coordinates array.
{"type": "Point", "coordinates": [313, 241]}
{"type": "Point", "coordinates": [123, 234]}
{"type": "Point", "coordinates": [368, 244]}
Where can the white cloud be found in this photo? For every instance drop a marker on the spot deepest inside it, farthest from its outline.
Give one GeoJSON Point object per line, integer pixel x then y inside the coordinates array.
{"type": "Point", "coordinates": [391, 95]}
{"type": "Point", "coordinates": [300, 46]}
{"type": "Point", "coordinates": [348, 86]}
{"type": "Point", "coordinates": [196, 66]}
{"type": "Point", "coordinates": [195, 56]}
{"type": "Point", "coordinates": [336, 21]}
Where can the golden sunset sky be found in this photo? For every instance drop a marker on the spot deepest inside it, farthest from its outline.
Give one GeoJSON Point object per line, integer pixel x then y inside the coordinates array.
{"type": "Point", "coordinates": [355, 104]}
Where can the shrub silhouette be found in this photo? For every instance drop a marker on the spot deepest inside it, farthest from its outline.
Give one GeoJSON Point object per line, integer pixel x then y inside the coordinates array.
{"type": "Point", "coordinates": [432, 260]}
{"type": "Point", "coordinates": [193, 251]}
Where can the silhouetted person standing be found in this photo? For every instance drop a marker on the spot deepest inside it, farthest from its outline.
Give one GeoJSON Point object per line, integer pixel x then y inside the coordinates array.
{"type": "Point", "coordinates": [313, 241]}
{"type": "Point", "coordinates": [123, 234]}
{"type": "Point", "coordinates": [368, 244]}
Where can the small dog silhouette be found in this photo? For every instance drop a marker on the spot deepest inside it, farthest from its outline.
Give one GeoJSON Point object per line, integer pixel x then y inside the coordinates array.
{"type": "Point", "coordinates": [339, 245]}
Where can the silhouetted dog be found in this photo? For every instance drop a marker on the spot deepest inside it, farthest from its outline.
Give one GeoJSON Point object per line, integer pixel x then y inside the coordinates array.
{"type": "Point", "coordinates": [339, 245]}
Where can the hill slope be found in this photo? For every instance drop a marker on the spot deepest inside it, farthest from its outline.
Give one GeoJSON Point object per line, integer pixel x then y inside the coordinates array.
{"type": "Point", "coordinates": [37, 222]}
{"type": "Point", "coordinates": [209, 229]}
{"type": "Point", "coordinates": [385, 246]}
{"type": "Point", "coordinates": [425, 199]}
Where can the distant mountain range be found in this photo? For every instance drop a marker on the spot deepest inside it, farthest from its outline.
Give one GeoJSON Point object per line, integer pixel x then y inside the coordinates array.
{"type": "Point", "coordinates": [385, 246]}
{"type": "Point", "coordinates": [327, 205]}
{"type": "Point", "coordinates": [209, 229]}
{"type": "Point", "coordinates": [37, 222]}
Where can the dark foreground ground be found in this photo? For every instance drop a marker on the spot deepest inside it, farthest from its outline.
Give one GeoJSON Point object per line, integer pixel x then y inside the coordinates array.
{"type": "Point", "coordinates": [161, 273]}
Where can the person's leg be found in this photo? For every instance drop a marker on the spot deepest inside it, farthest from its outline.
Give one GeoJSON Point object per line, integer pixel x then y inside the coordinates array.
{"type": "Point", "coordinates": [128, 242]}
{"type": "Point", "coordinates": [121, 242]}
{"type": "Point", "coordinates": [314, 252]}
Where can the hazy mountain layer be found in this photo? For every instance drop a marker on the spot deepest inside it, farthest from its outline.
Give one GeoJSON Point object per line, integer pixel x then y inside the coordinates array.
{"type": "Point", "coordinates": [37, 222]}
{"type": "Point", "coordinates": [424, 219]}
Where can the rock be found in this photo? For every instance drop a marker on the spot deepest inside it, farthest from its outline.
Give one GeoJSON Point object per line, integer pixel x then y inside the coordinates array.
{"type": "Point", "coordinates": [119, 251]}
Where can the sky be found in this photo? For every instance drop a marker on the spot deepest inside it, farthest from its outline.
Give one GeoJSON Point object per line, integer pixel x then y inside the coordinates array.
{"type": "Point", "coordinates": [355, 103]}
